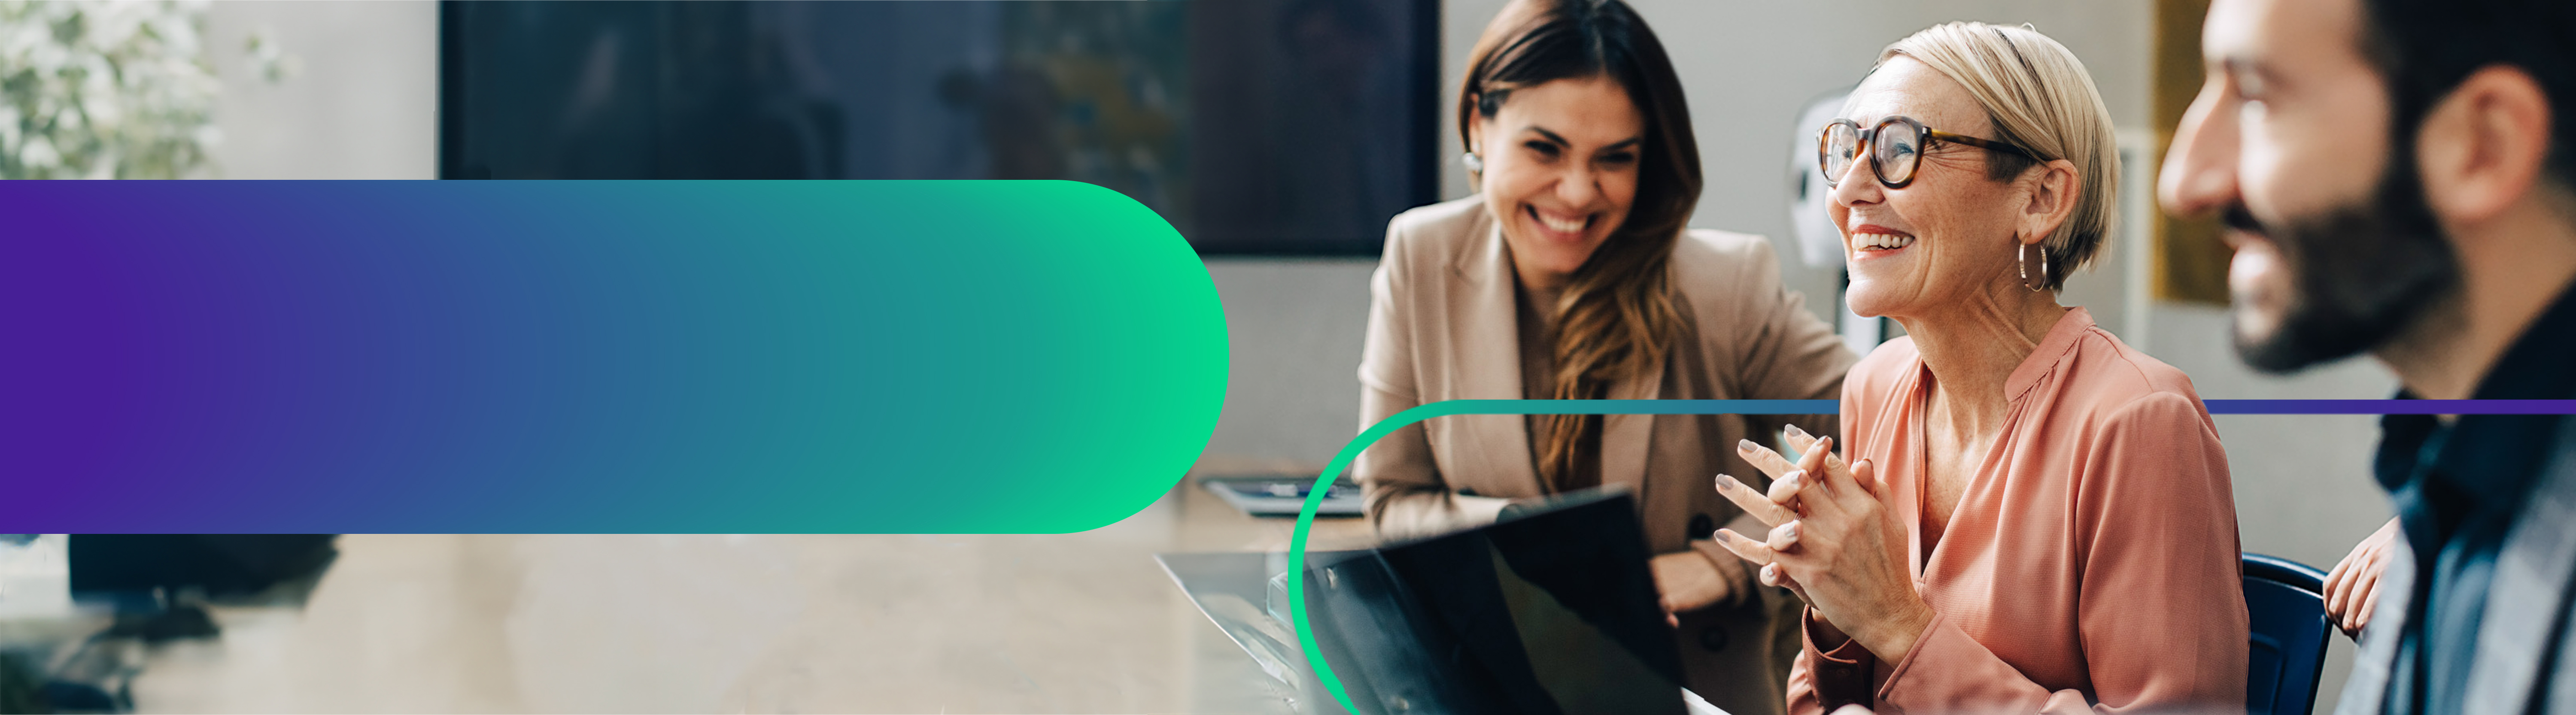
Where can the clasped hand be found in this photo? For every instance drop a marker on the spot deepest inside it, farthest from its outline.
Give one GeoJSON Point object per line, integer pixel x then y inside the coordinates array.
{"type": "Point", "coordinates": [1834, 541]}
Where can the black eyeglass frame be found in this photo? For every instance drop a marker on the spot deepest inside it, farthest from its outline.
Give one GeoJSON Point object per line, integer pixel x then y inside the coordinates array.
{"type": "Point", "coordinates": [1868, 141]}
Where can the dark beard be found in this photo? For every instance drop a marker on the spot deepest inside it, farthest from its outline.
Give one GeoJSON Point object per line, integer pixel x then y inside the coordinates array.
{"type": "Point", "coordinates": [2359, 273]}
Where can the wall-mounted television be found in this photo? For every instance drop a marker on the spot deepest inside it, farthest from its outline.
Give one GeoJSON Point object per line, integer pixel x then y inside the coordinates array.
{"type": "Point", "coordinates": [1254, 126]}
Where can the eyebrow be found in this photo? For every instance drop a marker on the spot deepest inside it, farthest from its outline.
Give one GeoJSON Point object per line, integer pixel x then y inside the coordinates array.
{"type": "Point", "coordinates": [1552, 136]}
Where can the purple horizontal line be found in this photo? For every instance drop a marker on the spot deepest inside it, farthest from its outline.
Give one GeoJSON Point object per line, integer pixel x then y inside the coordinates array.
{"type": "Point", "coordinates": [2391, 407]}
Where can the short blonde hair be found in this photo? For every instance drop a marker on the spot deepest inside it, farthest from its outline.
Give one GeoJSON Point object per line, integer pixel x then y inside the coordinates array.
{"type": "Point", "coordinates": [2038, 96]}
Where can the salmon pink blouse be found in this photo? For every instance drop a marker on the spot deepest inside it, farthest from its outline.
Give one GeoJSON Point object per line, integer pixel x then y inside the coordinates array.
{"type": "Point", "coordinates": [2091, 563]}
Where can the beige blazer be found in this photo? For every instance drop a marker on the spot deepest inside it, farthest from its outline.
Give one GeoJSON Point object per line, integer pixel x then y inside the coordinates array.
{"type": "Point", "coordinates": [1443, 325]}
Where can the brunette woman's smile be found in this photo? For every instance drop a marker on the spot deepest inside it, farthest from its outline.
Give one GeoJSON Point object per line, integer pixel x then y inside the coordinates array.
{"type": "Point", "coordinates": [1559, 227]}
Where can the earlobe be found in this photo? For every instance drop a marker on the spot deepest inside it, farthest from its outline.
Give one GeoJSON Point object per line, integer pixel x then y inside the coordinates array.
{"type": "Point", "coordinates": [1474, 158]}
{"type": "Point", "coordinates": [1476, 127]}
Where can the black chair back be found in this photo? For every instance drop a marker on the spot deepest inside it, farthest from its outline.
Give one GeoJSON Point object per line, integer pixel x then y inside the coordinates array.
{"type": "Point", "coordinates": [2285, 603]}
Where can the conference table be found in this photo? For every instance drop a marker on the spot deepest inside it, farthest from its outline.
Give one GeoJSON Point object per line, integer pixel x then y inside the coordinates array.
{"type": "Point", "coordinates": [1074, 623]}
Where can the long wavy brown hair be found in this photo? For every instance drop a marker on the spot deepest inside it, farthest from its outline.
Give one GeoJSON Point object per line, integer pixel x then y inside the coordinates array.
{"type": "Point", "coordinates": [1616, 317]}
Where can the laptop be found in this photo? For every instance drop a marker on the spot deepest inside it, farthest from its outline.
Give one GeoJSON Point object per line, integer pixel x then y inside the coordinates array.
{"type": "Point", "coordinates": [1551, 609]}
{"type": "Point", "coordinates": [1283, 494]}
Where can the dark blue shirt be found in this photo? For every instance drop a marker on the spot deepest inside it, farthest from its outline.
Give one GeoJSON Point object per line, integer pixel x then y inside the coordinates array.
{"type": "Point", "coordinates": [2457, 487]}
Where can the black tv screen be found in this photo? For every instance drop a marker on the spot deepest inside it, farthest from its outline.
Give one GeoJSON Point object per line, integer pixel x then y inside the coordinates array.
{"type": "Point", "coordinates": [1254, 126]}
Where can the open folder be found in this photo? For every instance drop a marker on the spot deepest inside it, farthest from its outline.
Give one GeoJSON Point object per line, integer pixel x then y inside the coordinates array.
{"type": "Point", "coordinates": [1551, 609]}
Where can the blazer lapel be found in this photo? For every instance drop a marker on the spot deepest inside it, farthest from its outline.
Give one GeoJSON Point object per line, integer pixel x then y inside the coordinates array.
{"type": "Point", "coordinates": [1484, 342]}
{"type": "Point", "coordinates": [1625, 438]}
{"type": "Point", "coordinates": [2528, 597]}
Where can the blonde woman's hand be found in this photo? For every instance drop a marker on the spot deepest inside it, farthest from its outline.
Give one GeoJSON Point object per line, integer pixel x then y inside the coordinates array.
{"type": "Point", "coordinates": [1775, 508]}
{"type": "Point", "coordinates": [2352, 588]}
{"type": "Point", "coordinates": [1845, 552]}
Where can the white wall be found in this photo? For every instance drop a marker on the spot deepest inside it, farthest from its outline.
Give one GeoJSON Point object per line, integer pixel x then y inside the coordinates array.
{"type": "Point", "coordinates": [364, 106]}
{"type": "Point", "coordinates": [1295, 331]}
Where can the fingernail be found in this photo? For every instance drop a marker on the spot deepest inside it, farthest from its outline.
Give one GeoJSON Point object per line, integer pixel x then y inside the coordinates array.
{"type": "Point", "coordinates": [1793, 429]}
{"type": "Point", "coordinates": [1789, 531]}
{"type": "Point", "coordinates": [1794, 476]}
{"type": "Point", "coordinates": [1745, 445]}
{"type": "Point", "coordinates": [1727, 482]}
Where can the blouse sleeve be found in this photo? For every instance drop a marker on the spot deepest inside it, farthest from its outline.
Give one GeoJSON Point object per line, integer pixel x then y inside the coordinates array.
{"type": "Point", "coordinates": [2162, 610]}
{"type": "Point", "coordinates": [1825, 679]}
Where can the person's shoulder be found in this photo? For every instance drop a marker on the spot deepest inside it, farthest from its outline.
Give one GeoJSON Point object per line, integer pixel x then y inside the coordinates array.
{"type": "Point", "coordinates": [1720, 273]}
{"type": "Point", "coordinates": [1425, 241]}
{"type": "Point", "coordinates": [2125, 389]}
{"type": "Point", "coordinates": [1445, 224]}
{"type": "Point", "coordinates": [2107, 371]}
{"type": "Point", "coordinates": [1711, 258]}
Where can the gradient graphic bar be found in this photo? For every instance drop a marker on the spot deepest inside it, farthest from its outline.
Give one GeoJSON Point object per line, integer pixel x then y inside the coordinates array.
{"type": "Point", "coordinates": [2391, 407]}
{"type": "Point", "coordinates": [1351, 451]}
{"type": "Point", "coordinates": [598, 357]}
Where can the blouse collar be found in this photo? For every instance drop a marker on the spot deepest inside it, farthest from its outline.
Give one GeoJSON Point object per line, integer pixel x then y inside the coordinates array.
{"type": "Point", "coordinates": [2054, 349]}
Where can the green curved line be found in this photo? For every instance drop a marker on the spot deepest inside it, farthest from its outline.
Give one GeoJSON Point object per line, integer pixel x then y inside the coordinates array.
{"type": "Point", "coordinates": [1445, 408]}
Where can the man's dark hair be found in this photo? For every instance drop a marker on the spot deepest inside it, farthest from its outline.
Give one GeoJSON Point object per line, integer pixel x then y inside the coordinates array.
{"type": "Point", "coordinates": [2427, 47]}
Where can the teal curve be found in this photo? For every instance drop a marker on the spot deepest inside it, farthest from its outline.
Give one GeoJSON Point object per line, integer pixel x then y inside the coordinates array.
{"type": "Point", "coordinates": [1342, 460]}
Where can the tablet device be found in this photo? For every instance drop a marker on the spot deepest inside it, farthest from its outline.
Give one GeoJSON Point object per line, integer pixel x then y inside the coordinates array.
{"type": "Point", "coordinates": [1551, 609]}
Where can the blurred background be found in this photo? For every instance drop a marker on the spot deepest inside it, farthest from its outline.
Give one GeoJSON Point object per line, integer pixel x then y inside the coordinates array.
{"type": "Point", "coordinates": [1278, 135]}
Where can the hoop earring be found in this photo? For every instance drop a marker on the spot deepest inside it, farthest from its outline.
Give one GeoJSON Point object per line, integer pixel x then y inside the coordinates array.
{"type": "Point", "coordinates": [1475, 164]}
{"type": "Point", "coordinates": [2021, 264]}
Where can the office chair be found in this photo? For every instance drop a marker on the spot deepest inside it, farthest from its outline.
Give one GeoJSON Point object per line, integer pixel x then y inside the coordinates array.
{"type": "Point", "coordinates": [2285, 603]}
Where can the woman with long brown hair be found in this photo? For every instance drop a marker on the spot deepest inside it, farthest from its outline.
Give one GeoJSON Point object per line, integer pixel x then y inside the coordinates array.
{"type": "Point", "coordinates": [1571, 275]}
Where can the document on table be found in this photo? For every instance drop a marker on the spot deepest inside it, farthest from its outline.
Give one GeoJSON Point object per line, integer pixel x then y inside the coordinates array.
{"type": "Point", "coordinates": [1698, 705]}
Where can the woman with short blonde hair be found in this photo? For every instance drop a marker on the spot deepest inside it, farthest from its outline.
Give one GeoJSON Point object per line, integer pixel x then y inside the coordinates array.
{"type": "Point", "coordinates": [2040, 99]}
{"type": "Point", "coordinates": [2036, 517]}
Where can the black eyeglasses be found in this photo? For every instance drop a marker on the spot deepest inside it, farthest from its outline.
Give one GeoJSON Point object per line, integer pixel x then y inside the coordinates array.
{"type": "Point", "coordinates": [1896, 147]}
